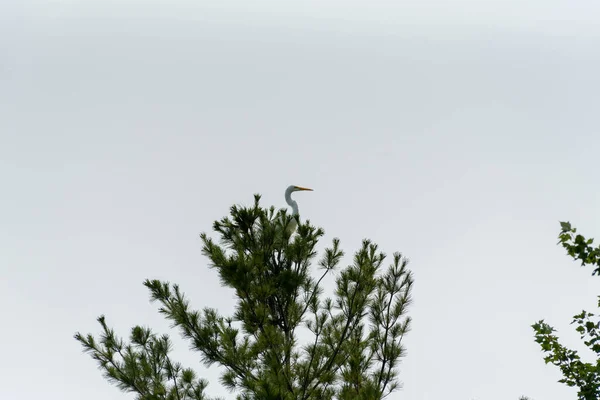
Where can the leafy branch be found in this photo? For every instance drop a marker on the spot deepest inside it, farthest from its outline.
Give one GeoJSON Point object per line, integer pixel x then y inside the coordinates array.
{"type": "Point", "coordinates": [576, 373]}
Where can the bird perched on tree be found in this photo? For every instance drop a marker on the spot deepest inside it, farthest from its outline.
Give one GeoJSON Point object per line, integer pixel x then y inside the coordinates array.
{"type": "Point", "coordinates": [288, 198]}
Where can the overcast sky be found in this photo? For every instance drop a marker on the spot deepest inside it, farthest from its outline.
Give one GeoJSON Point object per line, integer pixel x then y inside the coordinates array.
{"type": "Point", "coordinates": [456, 132]}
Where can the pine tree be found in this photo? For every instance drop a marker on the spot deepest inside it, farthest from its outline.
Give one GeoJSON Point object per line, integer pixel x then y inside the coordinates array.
{"type": "Point", "coordinates": [356, 336]}
{"type": "Point", "coordinates": [585, 376]}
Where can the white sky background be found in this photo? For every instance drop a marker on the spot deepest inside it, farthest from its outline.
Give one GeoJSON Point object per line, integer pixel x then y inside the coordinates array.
{"type": "Point", "coordinates": [458, 133]}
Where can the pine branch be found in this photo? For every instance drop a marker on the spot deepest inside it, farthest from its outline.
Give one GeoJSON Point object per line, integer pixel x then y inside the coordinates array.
{"type": "Point", "coordinates": [143, 366]}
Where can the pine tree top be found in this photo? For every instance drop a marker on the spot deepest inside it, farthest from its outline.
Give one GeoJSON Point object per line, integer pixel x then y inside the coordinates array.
{"type": "Point", "coordinates": [356, 334]}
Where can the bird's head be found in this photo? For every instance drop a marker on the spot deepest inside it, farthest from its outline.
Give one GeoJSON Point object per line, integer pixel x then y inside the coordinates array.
{"type": "Point", "coordinates": [291, 189]}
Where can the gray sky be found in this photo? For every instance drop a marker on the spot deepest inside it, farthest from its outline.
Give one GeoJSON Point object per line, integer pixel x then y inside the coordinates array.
{"type": "Point", "coordinates": [458, 133]}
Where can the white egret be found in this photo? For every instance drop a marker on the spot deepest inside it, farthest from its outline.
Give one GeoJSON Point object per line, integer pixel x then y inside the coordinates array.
{"type": "Point", "coordinates": [288, 198]}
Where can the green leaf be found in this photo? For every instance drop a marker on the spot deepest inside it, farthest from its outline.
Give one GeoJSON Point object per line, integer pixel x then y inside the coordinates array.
{"type": "Point", "coordinates": [565, 226]}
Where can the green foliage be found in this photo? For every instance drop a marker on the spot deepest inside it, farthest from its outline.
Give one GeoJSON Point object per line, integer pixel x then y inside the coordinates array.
{"type": "Point", "coordinates": [356, 336]}
{"type": "Point", "coordinates": [143, 366]}
{"type": "Point", "coordinates": [583, 375]}
{"type": "Point", "coordinates": [579, 247]}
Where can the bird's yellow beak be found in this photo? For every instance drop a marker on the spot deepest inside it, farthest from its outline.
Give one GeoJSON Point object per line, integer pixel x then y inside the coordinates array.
{"type": "Point", "coordinates": [302, 188]}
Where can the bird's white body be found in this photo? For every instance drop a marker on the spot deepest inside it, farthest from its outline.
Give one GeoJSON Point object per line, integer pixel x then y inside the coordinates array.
{"type": "Point", "coordinates": [292, 203]}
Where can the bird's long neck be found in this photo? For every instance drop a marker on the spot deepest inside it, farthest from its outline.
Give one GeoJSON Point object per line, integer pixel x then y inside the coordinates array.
{"type": "Point", "coordinates": [291, 202]}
